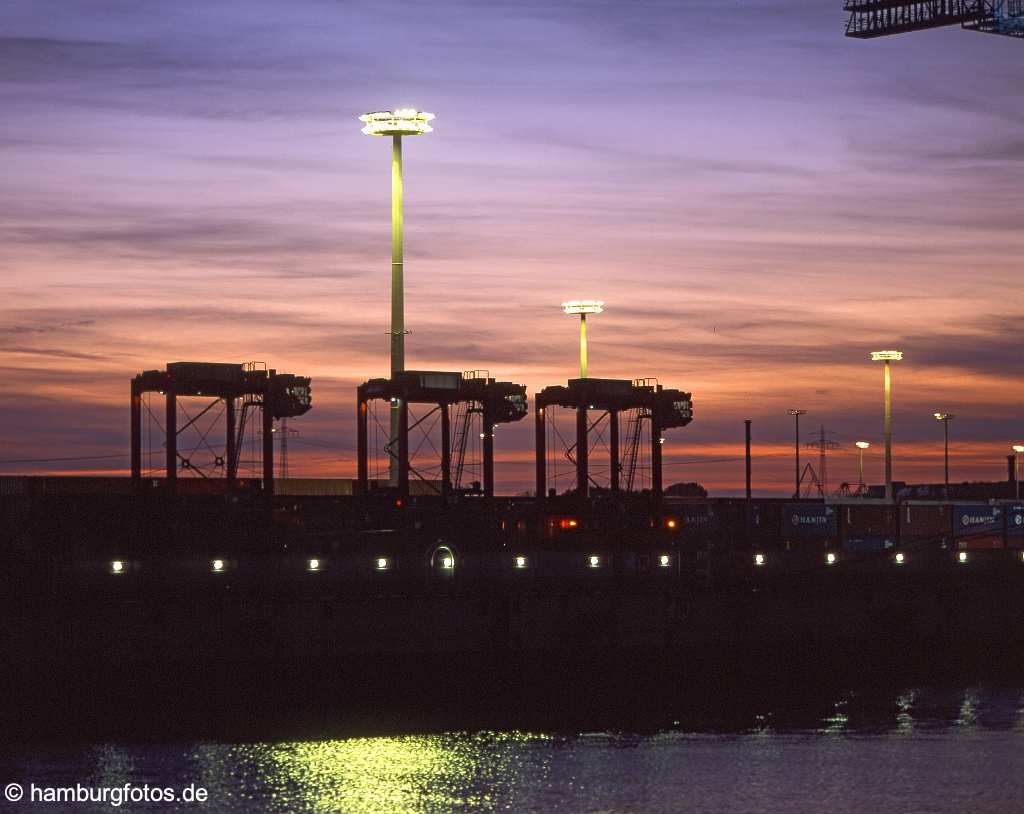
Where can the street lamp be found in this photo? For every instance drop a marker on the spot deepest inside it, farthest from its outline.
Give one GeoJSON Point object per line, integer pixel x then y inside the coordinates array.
{"type": "Point", "coordinates": [888, 356]}
{"type": "Point", "coordinates": [796, 415]}
{"type": "Point", "coordinates": [583, 307]}
{"type": "Point", "coordinates": [862, 445]}
{"type": "Point", "coordinates": [1018, 449]}
{"type": "Point", "coordinates": [945, 418]}
{"type": "Point", "coordinates": [396, 123]}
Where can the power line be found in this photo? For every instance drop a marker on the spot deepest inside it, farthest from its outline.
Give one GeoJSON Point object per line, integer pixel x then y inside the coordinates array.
{"type": "Point", "coordinates": [58, 460]}
{"type": "Point", "coordinates": [328, 444]}
{"type": "Point", "coordinates": [723, 460]}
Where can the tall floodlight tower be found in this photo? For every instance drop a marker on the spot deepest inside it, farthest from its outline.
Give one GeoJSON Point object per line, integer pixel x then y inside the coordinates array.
{"type": "Point", "coordinates": [583, 307]}
{"type": "Point", "coordinates": [796, 416]}
{"type": "Point", "coordinates": [945, 418]}
{"type": "Point", "coordinates": [396, 123]}
{"type": "Point", "coordinates": [888, 357]}
{"type": "Point", "coordinates": [861, 446]}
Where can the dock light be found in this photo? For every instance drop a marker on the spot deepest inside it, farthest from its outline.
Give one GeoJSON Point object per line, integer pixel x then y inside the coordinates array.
{"type": "Point", "coordinates": [217, 566]}
{"type": "Point", "coordinates": [1022, 556]}
{"type": "Point", "coordinates": [314, 564]}
{"type": "Point", "coordinates": [664, 560]}
{"type": "Point", "coordinates": [594, 561]}
{"type": "Point", "coordinates": [831, 558]}
{"type": "Point", "coordinates": [962, 557]}
{"type": "Point", "coordinates": [404, 121]}
{"type": "Point", "coordinates": [448, 562]}
{"type": "Point", "coordinates": [899, 558]}
{"type": "Point", "coordinates": [520, 562]}
{"type": "Point", "coordinates": [888, 357]}
{"type": "Point", "coordinates": [117, 567]}
{"type": "Point", "coordinates": [759, 559]}
{"type": "Point", "coordinates": [671, 523]}
{"type": "Point", "coordinates": [383, 563]}
{"type": "Point", "coordinates": [583, 307]}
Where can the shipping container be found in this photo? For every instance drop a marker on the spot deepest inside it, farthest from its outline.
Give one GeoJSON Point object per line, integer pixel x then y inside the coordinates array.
{"type": "Point", "coordinates": [691, 518]}
{"type": "Point", "coordinates": [978, 526]}
{"type": "Point", "coordinates": [868, 544]}
{"type": "Point", "coordinates": [868, 520]}
{"type": "Point", "coordinates": [809, 521]}
{"type": "Point", "coordinates": [13, 485]}
{"type": "Point", "coordinates": [763, 522]}
{"type": "Point", "coordinates": [743, 525]}
{"type": "Point", "coordinates": [697, 515]}
{"type": "Point", "coordinates": [766, 525]}
{"type": "Point", "coordinates": [1014, 516]}
{"type": "Point", "coordinates": [920, 520]}
{"type": "Point", "coordinates": [326, 487]}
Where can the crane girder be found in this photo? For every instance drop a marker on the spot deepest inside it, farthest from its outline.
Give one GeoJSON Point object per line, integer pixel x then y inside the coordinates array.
{"type": "Point", "coordinates": [879, 18]}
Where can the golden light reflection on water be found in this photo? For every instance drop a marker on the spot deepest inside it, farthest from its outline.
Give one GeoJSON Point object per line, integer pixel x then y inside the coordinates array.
{"type": "Point", "coordinates": [382, 774]}
{"type": "Point", "coordinates": [905, 712]}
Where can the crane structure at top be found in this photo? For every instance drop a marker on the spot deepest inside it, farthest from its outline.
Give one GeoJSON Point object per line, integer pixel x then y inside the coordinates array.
{"type": "Point", "coordinates": [879, 18]}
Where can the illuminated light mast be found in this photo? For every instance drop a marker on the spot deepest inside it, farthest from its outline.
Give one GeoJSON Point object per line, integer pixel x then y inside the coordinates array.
{"type": "Point", "coordinates": [583, 307]}
{"type": "Point", "coordinates": [945, 418]}
{"type": "Point", "coordinates": [396, 123]}
{"type": "Point", "coordinates": [888, 357]}
{"type": "Point", "coordinates": [861, 446]}
{"type": "Point", "coordinates": [796, 415]}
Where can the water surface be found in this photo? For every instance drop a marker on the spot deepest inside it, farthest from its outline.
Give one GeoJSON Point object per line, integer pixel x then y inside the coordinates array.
{"type": "Point", "coordinates": [921, 750]}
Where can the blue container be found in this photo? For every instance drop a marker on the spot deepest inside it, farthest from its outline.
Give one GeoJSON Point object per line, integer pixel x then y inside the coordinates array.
{"type": "Point", "coordinates": [969, 521]}
{"type": "Point", "coordinates": [1015, 525]}
{"type": "Point", "coordinates": [809, 520]}
{"type": "Point", "coordinates": [978, 526]}
{"type": "Point", "coordinates": [696, 516]}
{"type": "Point", "coordinates": [868, 544]}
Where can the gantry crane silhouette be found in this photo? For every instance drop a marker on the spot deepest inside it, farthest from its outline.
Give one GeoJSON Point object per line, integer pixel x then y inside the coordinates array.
{"type": "Point", "coordinates": [879, 18]}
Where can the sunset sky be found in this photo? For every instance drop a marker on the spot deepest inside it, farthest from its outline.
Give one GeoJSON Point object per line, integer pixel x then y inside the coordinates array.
{"type": "Point", "coordinates": [759, 200]}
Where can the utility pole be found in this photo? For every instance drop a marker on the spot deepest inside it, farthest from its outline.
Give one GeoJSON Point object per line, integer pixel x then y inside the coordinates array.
{"type": "Point", "coordinates": [945, 418]}
{"type": "Point", "coordinates": [746, 423]}
{"type": "Point", "coordinates": [796, 443]}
